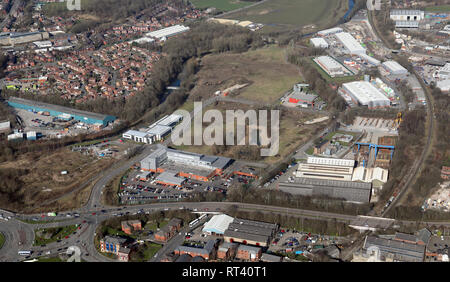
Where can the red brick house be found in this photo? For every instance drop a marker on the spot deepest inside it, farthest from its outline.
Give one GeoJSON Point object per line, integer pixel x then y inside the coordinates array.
{"type": "Point", "coordinates": [131, 225]}
{"type": "Point", "coordinates": [169, 230]}
{"type": "Point", "coordinates": [248, 253]}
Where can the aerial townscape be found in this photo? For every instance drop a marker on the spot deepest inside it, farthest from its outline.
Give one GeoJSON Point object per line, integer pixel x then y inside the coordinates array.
{"type": "Point", "coordinates": [224, 131]}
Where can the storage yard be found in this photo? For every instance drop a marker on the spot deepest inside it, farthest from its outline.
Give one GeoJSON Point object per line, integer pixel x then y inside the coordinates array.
{"type": "Point", "coordinates": [53, 121]}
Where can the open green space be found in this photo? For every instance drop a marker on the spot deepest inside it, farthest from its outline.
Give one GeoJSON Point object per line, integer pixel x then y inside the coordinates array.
{"type": "Point", "coordinates": [153, 225]}
{"type": "Point", "coordinates": [145, 252]}
{"type": "Point", "coordinates": [50, 259]}
{"type": "Point", "coordinates": [442, 8]}
{"type": "Point", "coordinates": [2, 240]}
{"type": "Point", "coordinates": [49, 235]}
{"type": "Point", "coordinates": [264, 72]}
{"type": "Point", "coordinates": [220, 5]}
{"type": "Point", "coordinates": [320, 13]}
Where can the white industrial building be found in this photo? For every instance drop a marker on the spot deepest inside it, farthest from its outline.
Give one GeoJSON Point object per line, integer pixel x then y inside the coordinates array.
{"type": "Point", "coordinates": [171, 120]}
{"type": "Point", "coordinates": [330, 66]}
{"type": "Point", "coordinates": [319, 42]}
{"type": "Point", "coordinates": [364, 93]}
{"type": "Point", "coordinates": [395, 68]}
{"type": "Point", "coordinates": [364, 174]}
{"type": "Point", "coordinates": [330, 31]}
{"type": "Point", "coordinates": [406, 24]}
{"type": "Point", "coordinates": [330, 161]}
{"type": "Point", "coordinates": [159, 131]}
{"type": "Point", "coordinates": [156, 131]}
{"type": "Point", "coordinates": [444, 72]}
{"type": "Point", "coordinates": [350, 43]}
{"type": "Point", "coordinates": [139, 136]}
{"type": "Point", "coordinates": [444, 85]}
{"type": "Point", "coordinates": [162, 34]}
{"type": "Point", "coordinates": [407, 15]}
{"type": "Point", "coordinates": [217, 224]}
{"type": "Point", "coordinates": [143, 40]}
{"type": "Point", "coordinates": [43, 44]}
{"type": "Point", "coordinates": [369, 59]}
{"type": "Point", "coordinates": [326, 168]}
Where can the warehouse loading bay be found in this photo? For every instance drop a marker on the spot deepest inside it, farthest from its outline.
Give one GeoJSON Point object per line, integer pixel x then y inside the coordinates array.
{"type": "Point", "coordinates": [139, 187]}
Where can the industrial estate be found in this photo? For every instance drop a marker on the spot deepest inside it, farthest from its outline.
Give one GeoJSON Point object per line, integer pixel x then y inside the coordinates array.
{"type": "Point", "coordinates": [93, 101]}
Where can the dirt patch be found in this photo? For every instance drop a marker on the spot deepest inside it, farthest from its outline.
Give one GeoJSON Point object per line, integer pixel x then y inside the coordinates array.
{"type": "Point", "coordinates": [43, 181]}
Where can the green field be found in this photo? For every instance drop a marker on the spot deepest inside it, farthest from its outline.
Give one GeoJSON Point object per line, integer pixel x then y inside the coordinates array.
{"type": "Point", "coordinates": [443, 8]}
{"type": "Point", "coordinates": [265, 71]}
{"type": "Point", "coordinates": [2, 240]}
{"type": "Point", "coordinates": [221, 5]}
{"type": "Point", "coordinates": [49, 235]}
{"type": "Point", "coordinates": [294, 12]}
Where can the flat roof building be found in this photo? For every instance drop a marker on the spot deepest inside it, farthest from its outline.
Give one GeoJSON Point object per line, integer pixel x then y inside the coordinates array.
{"type": "Point", "coordinates": [139, 136]}
{"type": "Point", "coordinates": [444, 85]}
{"type": "Point", "coordinates": [330, 31]}
{"type": "Point", "coordinates": [347, 190]}
{"type": "Point", "coordinates": [303, 98]}
{"type": "Point", "coordinates": [326, 168]}
{"type": "Point", "coordinates": [250, 232]}
{"type": "Point", "coordinates": [330, 66]}
{"type": "Point", "coordinates": [56, 111]}
{"type": "Point", "coordinates": [350, 43]}
{"type": "Point", "coordinates": [393, 249]}
{"type": "Point", "coordinates": [369, 59]}
{"type": "Point", "coordinates": [217, 224]}
{"type": "Point", "coordinates": [189, 165]}
{"type": "Point", "coordinates": [162, 34]}
{"type": "Point", "coordinates": [365, 94]}
{"type": "Point", "coordinates": [159, 131]}
{"type": "Point", "coordinates": [407, 15]}
{"type": "Point", "coordinates": [170, 178]}
{"type": "Point", "coordinates": [319, 42]}
{"type": "Point", "coordinates": [394, 68]}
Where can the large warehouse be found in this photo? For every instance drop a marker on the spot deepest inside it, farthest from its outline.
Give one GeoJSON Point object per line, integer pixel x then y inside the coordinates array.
{"type": "Point", "coordinates": [365, 94]}
{"type": "Point", "coordinates": [348, 190]}
{"type": "Point", "coordinates": [395, 68]}
{"type": "Point", "coordinates": [350, 43]}
{"type": "Point", "coordinates": [326, 168]}
{"type": "Point", "coordinates": [330, 66]}
{"type": "Point", "coordinates": [319, 42]}
{"type": "Point", "coordinates": [218, 224]}
{"type": "Point", "coordinates": [407, 15]}
{"type": "Point", "coordinates": [330, 31]}
{"type": "Point", "coordinates": [250, 232]}
{"type": "Point", "coordinates": [60, 111]}
{"type": "Point", "coordinates": [162, 34]}
{"type": "Point", "coordinates": [187, 164]}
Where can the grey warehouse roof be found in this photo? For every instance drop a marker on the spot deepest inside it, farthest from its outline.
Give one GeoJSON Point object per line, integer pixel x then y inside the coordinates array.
{"type": "Point", "coordinates": [401, 251]}
{"type": "Point", "coordinates": [335, 183]}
